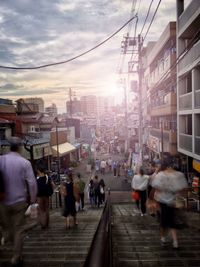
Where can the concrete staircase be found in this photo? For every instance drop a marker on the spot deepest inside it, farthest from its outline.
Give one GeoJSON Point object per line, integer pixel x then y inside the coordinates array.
{"type": "Point", "coordinates": [57, 247]}
{"type": "Point", "coordinates": [136, 241]}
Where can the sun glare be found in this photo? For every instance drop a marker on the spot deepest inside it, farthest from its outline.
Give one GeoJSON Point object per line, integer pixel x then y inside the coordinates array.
{"type": "Point", "coordinates": [116, 92]}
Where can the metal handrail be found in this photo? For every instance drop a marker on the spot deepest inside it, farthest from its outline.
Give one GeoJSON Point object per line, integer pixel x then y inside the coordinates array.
{"type": "Point", "coordinates": [100, 252]}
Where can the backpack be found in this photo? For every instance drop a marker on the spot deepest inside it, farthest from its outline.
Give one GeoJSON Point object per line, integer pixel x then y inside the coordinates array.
{"type": "Point", "coordinates": [91, 190]}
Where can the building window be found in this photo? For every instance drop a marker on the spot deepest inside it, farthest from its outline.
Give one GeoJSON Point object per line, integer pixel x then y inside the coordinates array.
{"type": "Point", "coordinates": [185, 84]}
{"type": "Point", "coordinates": [185, 124]}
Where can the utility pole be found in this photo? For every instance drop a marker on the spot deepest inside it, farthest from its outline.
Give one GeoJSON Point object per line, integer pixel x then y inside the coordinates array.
{"type": "Point", "coordinates": [140, 97]}
{"type": "Point", "coordinates": [126, 118]}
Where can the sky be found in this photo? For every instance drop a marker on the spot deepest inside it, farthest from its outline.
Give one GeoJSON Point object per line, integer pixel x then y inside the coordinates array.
{"type": "Point", "coordinates": [39, 32]}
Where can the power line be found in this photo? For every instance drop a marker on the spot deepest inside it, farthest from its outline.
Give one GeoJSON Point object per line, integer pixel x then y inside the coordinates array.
{"type": "Point", "coordinates": [152, 20]}
{"type": "Point", "coordinates": [146, 17]}
{"type": "Point", "coordinates": [73, 58]}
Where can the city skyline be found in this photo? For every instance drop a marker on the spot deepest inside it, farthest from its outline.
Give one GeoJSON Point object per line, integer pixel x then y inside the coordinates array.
{"type": "Point", "coordinates": [45, 33]}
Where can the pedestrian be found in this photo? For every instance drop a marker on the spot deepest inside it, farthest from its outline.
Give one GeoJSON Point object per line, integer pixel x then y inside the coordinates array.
{"type": "Point", "coordinates": [110, 164]}
{"type": "Point", "coordinates": [81, 184]}
{"type": "Point", "coordinates": [118, 168]}
{"type": "Point", "coordinates": [168, 184]}
{"type": "Point", "coordinates": [103, 166]}
{"type": "Point", "coordinates": [140, 183]}
{"type": "Point", "coordinates": [97, 165]}
{"type": "Point", "coordinates": [45, 190]}
{"type": "Point", "coordinates": [114, 168]}
{"type": "Point", "coordinates": [102, 191]}
{"type": "Point", "coordinates": [91, 192]}
{"type": "Point", "coordinates": [96, 191]}
{"type": "Point", "coordinates": [18, 175]}
{"type": "Point", "coordinates": [69, 201]}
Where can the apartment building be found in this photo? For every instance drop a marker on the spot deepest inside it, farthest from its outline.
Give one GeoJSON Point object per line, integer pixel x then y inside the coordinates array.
{"type": "Point", "coordinates": [188, 80]}
{"type": "Point", "coordinates": [52, 110]}
{"type": "Point", "coordinates": [160, 84]}
{"type": "Point", "coordinates": [89, 105]}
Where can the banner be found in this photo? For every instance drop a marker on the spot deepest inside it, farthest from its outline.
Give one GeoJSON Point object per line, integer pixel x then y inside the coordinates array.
{"type": "Point", "coordinates": [196, 165]}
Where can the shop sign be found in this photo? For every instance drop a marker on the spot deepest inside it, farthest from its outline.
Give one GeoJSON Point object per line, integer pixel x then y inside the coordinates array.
{"type": "Point", "coordinates": [196, 165]}
{"type": "Point", "coordinates": [40, 151]}
{"type": "Point", "coordinates": [153, 144]}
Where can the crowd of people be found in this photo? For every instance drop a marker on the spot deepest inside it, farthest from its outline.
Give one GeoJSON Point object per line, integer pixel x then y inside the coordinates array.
{"type": "Point", "coordinates": [159, 192]}
{"type": "Point", "coordinates": [117, 167]}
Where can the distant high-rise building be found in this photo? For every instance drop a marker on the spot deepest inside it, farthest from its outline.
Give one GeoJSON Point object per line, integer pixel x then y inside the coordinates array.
{"type": "Point", "coordinates": [73, 106]}
{"type": "Point", "coordinates": [89, 104]}
{"type": "Point", "coordinates": [52, 110]}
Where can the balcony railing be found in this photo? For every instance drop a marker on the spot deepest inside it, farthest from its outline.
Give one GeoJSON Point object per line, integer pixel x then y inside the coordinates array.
{"type": "Point", "coordinates": [185, 142]}
{"type": "Point", "coordinates": [168, 108]}
{"type": "Point", "coordinates": [185, 101]}
{"type": "Point", "coordinates": [190, 57]}
{"type": "Point", "coordinates": [197, 99]}
{"type": "Point", "coordinates": [187, 14]}
{"type": "Point", "coordinates": [168, 135]}
{"type": "Point", "coordinates": [197, 145]}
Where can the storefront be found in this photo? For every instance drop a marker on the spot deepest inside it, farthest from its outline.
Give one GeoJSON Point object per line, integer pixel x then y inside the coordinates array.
{"type": "Point", "coordinates": [63, 153]}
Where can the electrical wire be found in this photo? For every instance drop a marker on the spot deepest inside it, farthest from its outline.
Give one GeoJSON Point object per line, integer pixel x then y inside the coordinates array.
{"type": "Point", "coordinates": [133, 59]}
{"type": "Point", "coordinates": [146, 16]}
{"type": "Point", "coordinates": [152, 20]}
{"type": "Point", "coordinates": [73, 58]}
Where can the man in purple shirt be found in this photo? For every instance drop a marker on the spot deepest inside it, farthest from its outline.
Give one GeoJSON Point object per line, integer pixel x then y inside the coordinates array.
{"type": "Point", "coordinates": [18, 179]}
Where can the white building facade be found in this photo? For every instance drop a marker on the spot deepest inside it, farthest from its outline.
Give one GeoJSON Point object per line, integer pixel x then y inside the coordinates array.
{"type": "Point", "coordinates": [188, 79]}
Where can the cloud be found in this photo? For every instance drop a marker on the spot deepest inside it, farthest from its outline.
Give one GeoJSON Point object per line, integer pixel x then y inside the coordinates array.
{"type": "Point", "coordinates": [41, 31]}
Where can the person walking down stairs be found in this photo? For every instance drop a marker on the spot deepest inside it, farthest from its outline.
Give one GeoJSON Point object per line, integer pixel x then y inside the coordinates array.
{"type": "Point", "coordinates": [140, 184]}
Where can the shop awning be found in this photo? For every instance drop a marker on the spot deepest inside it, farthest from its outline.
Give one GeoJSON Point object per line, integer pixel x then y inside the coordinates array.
{"type": "Point", "coordinates": [63, 149]}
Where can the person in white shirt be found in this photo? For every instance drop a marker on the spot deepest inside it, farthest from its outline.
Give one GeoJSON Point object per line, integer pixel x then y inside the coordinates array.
{"type": "Point", "coordinates": [168, 184]}
{"type": "Point", "coordinates": [103, 166]}
{"type": "Point", "coordinates": [140, 183]}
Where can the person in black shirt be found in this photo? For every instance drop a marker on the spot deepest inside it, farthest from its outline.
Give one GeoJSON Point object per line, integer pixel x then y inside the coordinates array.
{"type": "Point", "coordinates": [45, 190]}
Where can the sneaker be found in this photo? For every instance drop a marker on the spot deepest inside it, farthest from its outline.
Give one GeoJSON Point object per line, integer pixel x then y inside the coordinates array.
{"type": "Point", "coordinates": [142, 214]}
{"type": "Point", "coordinates": [2, 241]}
{"type": "Point", "coordinates": [175, 244]}
{"type": "Point", "coordinates": [17, 262]}
{"type": "Point", "coordinates": [163, 241]}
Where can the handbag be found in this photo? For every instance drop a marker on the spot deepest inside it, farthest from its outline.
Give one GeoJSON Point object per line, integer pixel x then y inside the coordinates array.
{"type": "Point", "coordinates": [135, 195]}
{"type": "Point", "coordinates": [101, 190]}
{"type": "Point", "coordinates": [152, 206]}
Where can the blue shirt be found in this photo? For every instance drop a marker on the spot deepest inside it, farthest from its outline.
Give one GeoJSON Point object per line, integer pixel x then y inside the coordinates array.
{"type": "Point", "coordinates": [18, 176]}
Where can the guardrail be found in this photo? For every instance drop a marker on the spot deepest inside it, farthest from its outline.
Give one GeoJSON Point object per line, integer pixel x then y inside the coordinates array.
{"type": "Point", "coordinates": [100, 252]}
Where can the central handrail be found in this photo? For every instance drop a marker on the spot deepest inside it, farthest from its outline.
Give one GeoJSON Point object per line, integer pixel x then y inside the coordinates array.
{"type": "Point", "coordinates": [100, 252]}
